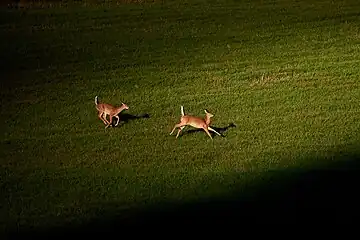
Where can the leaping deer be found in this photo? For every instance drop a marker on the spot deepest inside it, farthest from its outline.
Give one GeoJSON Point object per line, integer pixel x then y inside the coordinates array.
{"type": "Point", "coordinates": [105, 109]}
{"type": "Point", "coordinates": [196, 122]}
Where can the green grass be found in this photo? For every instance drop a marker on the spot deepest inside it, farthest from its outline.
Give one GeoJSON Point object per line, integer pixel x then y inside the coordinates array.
{"type": "Point", "coordinates": [286, 73]}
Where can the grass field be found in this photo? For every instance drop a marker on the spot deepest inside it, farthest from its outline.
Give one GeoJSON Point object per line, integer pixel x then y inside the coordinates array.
{"type": "Point", "coordinates": [284, 72]}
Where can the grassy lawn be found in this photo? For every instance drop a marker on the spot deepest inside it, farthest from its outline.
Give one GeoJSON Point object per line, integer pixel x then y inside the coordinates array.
{"type": "Point", "coordinates": [285, 73]}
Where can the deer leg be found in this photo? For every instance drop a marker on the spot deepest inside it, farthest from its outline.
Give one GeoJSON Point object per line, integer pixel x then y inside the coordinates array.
{"type": "Point", "coordinates": [118, 119]}
{"type": "Point", "coordinates": [105, 117]}
{"type": "Point", "coordinates": [180, 129]}
{"type": "Point", "coordinates": [110, 122]}
{"type": "Point", "coordinates": [213, 130]}
{"type": "Point", "coordinates": [176, 125]}
{"type": "Point", "coordinates": [207, 132]}
{"type": "Point", "coordinates": [100, 115]}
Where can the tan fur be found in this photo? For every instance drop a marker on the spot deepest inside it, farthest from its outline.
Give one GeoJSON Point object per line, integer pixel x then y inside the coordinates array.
{"type": "Point", "coordinates": [196, 122]}
{"type": "Point", "coordinates": [105, 109]}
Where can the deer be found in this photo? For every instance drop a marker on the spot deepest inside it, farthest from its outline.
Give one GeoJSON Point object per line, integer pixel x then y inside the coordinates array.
{"type": "Point", "coordinates": [105, 109]}
{"type": "Point", "coordinates": [196, 122]}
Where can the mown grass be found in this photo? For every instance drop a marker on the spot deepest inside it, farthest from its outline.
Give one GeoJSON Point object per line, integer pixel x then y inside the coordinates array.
{"type": "Point", "coordinates": [284, 72]}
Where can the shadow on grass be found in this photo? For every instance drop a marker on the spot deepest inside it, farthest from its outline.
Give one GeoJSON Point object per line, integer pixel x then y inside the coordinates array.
{"type": "Point", "coordinates": [218, 129]}
{"type": "Point", "coordinates": [126, 117]}
{"type": "Point", "coordinates": [326, 195]}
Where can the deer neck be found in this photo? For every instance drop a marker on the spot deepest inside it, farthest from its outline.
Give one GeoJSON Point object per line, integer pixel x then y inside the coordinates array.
{"type": "Point", "coordinates": [120, 109]}
{"type": "Point", "coordinates": [207, 120]}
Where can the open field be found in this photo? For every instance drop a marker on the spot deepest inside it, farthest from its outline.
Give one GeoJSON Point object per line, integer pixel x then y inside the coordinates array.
{"type": "Point", "coordinates": [281, 78]}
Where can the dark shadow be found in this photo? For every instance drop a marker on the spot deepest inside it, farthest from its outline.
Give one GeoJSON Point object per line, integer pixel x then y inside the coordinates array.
{"type": "Point", "coordinates": [126, 117]}
{"type": "Point", "coordinates": [218, 129]}
{"type": "Point", "coordinates": [223, 129]}
{"type": "Point", "coordinates": [300, 196]}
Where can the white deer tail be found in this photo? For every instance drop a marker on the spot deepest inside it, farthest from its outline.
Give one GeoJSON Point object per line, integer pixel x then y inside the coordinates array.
{"type": "Point", "coordinates": [96, 100]}
{"type": "Point", "coordinates": [182, 110]}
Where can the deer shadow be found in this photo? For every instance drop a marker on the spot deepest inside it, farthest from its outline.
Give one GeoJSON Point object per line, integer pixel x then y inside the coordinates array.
{"type": "Point", "coordinates": [126, 117]}
{"type": "Point", "coordinates": [220, 130]}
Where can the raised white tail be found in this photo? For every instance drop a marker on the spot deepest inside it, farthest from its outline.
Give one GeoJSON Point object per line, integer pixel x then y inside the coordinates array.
{"type": "Point", "coordinates": [182, 110]}
{"type": "Point", "coordinates": [96, 100]}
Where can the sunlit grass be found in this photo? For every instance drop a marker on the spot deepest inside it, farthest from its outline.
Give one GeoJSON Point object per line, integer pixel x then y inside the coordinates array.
{"type": "Point", "coordinates": [286, 74]}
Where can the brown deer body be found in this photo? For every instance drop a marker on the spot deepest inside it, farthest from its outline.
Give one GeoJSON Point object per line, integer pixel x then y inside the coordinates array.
{"type": "Point", "coordinates": [105, 109]}
{"type": "Point", "coordinates": [196, 122]}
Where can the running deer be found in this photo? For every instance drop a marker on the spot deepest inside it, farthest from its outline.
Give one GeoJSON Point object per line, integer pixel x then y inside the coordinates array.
{"type": "Point", "coordinates": [196, 122]}
{"type": "Point", "coordinates": [105, 109]}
